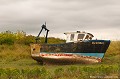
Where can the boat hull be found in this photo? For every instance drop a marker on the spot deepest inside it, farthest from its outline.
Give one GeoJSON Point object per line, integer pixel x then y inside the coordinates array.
{"type": "Point", "coordinates": [85, 52]}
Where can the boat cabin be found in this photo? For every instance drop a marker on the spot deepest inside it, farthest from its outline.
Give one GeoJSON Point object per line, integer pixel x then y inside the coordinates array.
{"type": "Point", "coordinates": [78, 36]}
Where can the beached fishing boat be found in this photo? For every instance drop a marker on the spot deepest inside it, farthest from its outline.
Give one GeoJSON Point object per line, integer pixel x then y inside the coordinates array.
{"type": "Point", "coordinates": [79, 48]}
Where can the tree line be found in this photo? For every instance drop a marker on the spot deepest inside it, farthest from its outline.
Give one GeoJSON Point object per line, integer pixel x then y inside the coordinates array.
{"type": "Point", "coordinates": [20, 37]}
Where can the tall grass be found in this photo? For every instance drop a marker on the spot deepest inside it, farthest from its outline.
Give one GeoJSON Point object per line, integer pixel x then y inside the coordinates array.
{"type": "Point", "coordinates": [114, 49]}
{"type": "Point", "coordinates": [14, 52]}
{"type": "Point", "coordinates": [112, 55]}
{"type": "Point", "coordinates": [16, 63]}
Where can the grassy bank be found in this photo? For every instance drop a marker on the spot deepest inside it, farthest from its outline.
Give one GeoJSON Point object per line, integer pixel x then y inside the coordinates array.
{"type": "Point", "coordinates": [16, 63]}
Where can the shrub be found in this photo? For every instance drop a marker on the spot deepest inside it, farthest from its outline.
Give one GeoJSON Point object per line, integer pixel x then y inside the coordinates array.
{"type": "Point", "coordinates": [29, 39]}
{"type": "Point", "coordinates": [7, 38]}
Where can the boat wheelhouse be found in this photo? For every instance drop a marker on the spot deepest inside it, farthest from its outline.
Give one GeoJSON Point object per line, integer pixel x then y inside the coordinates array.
{"type": "Point", "coordinates": [78, 36]}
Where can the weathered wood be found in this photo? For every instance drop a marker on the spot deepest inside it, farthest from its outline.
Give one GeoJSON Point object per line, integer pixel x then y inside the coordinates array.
{"type": "Point", "coordinates": [35, 48]}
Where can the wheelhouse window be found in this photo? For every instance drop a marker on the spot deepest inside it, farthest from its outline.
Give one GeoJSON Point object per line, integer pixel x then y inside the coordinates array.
{"type": "Point", "coordinates": [87, 37]}
{"type": "Point", "coordinates": [80, 36]}
{"type": "Point", "coordinates": [72, 37]}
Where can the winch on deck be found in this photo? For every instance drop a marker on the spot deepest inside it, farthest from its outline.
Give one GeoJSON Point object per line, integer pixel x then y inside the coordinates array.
{"type": "Point", "coordinates": [43, 27]}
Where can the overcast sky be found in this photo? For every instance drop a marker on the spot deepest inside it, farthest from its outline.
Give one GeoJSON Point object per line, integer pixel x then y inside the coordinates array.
{"type": "Point", "coordinates": [99, 17]}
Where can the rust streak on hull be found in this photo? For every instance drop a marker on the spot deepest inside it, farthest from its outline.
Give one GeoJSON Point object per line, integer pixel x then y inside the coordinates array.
{"type": "Point", "coordinates": [65, 59]}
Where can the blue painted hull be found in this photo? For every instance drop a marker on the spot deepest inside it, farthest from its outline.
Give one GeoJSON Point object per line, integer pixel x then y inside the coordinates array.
{"type": "Point", "coordinates": [95, 48]}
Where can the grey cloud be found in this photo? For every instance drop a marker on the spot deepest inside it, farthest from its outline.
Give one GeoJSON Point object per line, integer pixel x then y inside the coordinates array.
{"type": "Point", "coordinates": [60, 15]}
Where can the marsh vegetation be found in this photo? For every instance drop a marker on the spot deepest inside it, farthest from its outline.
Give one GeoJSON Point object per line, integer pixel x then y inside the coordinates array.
{"type": "Point", "coordinates": [16, 62]}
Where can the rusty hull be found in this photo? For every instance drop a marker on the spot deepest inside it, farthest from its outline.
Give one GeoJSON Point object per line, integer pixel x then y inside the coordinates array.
{"type": "Point", "coordinates": [57, 59]}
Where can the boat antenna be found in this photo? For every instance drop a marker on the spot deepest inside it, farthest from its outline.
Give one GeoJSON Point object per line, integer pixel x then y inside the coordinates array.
{"type": "Point", "coordinates": [45, 23]}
